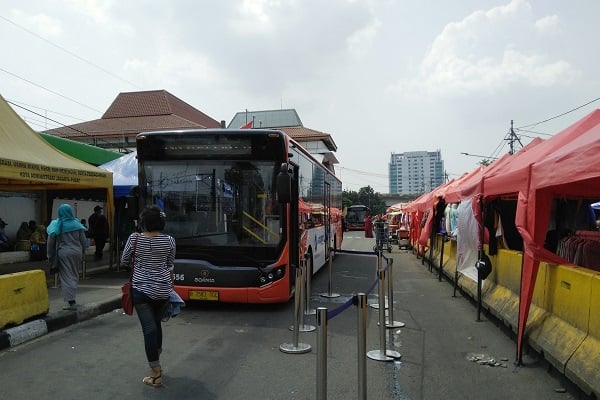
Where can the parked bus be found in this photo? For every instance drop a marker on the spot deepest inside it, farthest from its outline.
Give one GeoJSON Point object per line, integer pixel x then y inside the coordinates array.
{"type": "Point", "coordinates": [244, 206]}
{"type": "Point", "coordinates": [355, 217]}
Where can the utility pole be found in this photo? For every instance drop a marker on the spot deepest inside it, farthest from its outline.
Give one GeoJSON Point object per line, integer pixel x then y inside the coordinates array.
{"type": "Point", "coordinates": [512, 138]}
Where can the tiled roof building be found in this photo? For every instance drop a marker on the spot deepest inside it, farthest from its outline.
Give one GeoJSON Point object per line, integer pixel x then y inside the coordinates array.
{"type": "Point", "coordinates": [134, 112]}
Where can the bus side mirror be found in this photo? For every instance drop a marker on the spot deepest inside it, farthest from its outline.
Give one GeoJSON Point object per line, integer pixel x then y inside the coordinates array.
{"type": "Point", "coordinates": [284, 185]}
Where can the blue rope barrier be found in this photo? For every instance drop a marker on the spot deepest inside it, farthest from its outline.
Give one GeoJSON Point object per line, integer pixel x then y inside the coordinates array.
{"type": "Point", "coordinates": [356, 253]}
{"type": "Point", "coordinates": [354, 299]}
{"type": "Point", "coordinates": [338, 310]}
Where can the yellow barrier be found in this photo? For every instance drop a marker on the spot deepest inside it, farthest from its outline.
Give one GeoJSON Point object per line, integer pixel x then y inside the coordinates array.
{"type": "Point", "coordinates": [22, 295]}
{"type": "Point", "coordinates": [564, 316]}
{"type": "Point", "coordinates": [582, 367]}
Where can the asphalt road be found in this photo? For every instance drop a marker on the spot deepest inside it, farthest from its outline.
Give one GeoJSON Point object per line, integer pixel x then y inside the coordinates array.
{"type": "Point", "coordinates": [225, 351]}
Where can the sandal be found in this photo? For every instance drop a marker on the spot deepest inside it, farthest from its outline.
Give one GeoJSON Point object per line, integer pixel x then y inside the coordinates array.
{"type": "Point", "coordinates": [152, 380]}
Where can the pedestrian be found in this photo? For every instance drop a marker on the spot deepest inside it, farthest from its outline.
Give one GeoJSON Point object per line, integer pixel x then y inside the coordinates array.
{"type": "Point", "coordinates": [39, 235]}
{"type": "Point", "coordinates": [151, 254]}
{"type": "Point", "coordinates": [24, 232]}
{"type": "Point", "coordinates": [38, 241]}
{"type": "Point", "coordinates": [98, 231]}
{"type": "Point", "coordinates": [65, 250]}
{"type": "Point", "coordinates": [5, 243]}
{"type": "Point", "coordinates": [368, 226]}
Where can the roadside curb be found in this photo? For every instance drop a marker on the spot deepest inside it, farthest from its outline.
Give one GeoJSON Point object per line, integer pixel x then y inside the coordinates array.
{"type": "Point", "coordinates": [33, 329]}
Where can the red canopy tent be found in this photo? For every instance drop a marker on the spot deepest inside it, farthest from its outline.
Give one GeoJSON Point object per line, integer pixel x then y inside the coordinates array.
{"type": "Point", "coordinates": [516, 177]}
{"type": "Point", "coordinates": [572, 169]}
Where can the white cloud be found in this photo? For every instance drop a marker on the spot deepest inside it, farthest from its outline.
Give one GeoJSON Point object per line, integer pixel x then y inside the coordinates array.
{"type": "Point", "coordinates": [548, 24]}
{"type": "Point", "coordinates": [255, 17]}
{"type": "Point", "coordinates": [360, 40]}
{"type": "Point", "coordinates": [173, 67]}
{"type": "Point", "coordinates": [487, 51]}
{"type": "Point", "coordinates": [42, 24]}
{"type": "Point", "coordinates": [97, 10]}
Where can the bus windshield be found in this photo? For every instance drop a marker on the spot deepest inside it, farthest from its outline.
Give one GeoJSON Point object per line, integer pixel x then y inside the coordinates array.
{"type": "Point", "coordinates": [222, 206]}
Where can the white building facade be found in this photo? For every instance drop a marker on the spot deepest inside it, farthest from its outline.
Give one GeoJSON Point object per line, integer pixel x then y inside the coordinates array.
{"type": "Point", "coordinates": [415, 172]}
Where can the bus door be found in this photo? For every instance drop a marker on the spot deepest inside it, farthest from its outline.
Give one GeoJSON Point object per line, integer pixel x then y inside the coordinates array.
{"type": "Point", "coordinates": [294, 225]}
{"type": "Point", "coordinates": [327, 217]}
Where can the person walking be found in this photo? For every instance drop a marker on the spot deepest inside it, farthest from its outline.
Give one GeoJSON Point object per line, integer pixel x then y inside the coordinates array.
{"type": "Point", "coordinates": [98, 231]}
{"type": "Point", "coordinates": [65, 250]}
{"type": "Point", "coordinates": [151, 254]}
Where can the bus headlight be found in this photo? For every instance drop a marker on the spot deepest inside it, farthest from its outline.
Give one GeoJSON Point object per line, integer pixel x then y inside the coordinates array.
{"type": "Point", "coordinates": [272, 275]}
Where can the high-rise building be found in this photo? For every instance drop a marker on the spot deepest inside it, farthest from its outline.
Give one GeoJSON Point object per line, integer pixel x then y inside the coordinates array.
{"type": "Point", "coordinates": [415, 172]}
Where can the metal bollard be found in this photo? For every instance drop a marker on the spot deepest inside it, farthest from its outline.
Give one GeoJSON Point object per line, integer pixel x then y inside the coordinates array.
{"type": "Point", "coordinates": [441, 259]}
{"type": "Point", "coordinates": [322, 353]}
{"type": "Point", "coordinates": [390, 301]}
{"type": "Point", "coordinates": [329, 293]}
{"type": "Point", "coordinates": [307, 280]}
{"type": "Point", "coordinates": [295, 347]}
{"type": "Point", "coordinates": [300, 288]}
{"type": "Point", "coordinates": [362, 346]}
{"type": "Point", "coordinates": [381, 300]}
{"type": "Point", "coordinates": [382, 354]}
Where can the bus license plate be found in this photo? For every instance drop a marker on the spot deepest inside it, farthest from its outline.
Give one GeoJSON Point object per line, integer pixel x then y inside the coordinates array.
{"type": "Point", "coordinates": [208, 295]}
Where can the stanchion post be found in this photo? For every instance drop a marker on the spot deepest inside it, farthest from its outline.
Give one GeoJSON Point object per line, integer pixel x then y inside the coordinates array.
{"type": "Point", "coordinates": [301, 285]}
{"type": "Point", "coordinates": [382, 354]}
{"type": "Point", "coordinates": [478, 295]}
{"type": "Point", "coordinates": [322, 353]}
{"type": "Point", "coordinates": [307, 280]}
{"type": "Point", "coordinates": [55, 280]}
{"type": "Point", "coordinates": [83, 268]}
{"type": "Point", "coordinates": [442, 258]}
{"type": "Point", "coordinates": [362, 346]}
{"type": "Point", "coordinates": [330, 293]}
{"type": "Point", "coordinates": [382, 302]}
{"type": "Point", "coordinates": [390, 299]}
{"type": "Point", "coordinates": [295, 347]}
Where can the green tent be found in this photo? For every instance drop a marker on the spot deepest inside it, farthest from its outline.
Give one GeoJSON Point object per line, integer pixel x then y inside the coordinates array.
{"type": "Point", "coordinates": [81, 151]}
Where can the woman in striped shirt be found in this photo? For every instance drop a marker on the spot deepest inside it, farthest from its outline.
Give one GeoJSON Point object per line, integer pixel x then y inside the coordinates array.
{"type": "Point", "coordinates": [151, 254]}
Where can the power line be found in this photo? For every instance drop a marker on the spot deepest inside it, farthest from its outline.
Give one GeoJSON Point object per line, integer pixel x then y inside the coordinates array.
{"type": "Point", "coordinates": [71, 53]}
{"type": "Point", "coordinates": [61, 124]}
{"type": "Point", "coordinates": [44, 109]}
{"type": "Point", "coordinates": [363, 172]}
{"type": "Point", "coordinates": [560, 115]}
{"type": "Point", "coordinates": [49, 90]}
{"type": "Point", "coordinates": [537, 133]}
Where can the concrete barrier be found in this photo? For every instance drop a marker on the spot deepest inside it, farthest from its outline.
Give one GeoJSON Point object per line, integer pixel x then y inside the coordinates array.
{"type": "Point", "coordinates": [582, 367]}
{"type": "Point", "coordinates": [23, 295]}
{"type": "Point", "coordinates": [11, 257]}
{"type": "Point", "coordinates": [564, 317]}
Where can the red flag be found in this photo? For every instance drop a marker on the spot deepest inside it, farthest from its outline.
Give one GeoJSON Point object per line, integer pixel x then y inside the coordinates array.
{"type": "Point", "coordinates": [247, 125]}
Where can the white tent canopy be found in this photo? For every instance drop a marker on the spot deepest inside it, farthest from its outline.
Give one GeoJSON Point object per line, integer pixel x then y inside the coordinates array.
{"type": "Point", "coordinates": [124, 171]}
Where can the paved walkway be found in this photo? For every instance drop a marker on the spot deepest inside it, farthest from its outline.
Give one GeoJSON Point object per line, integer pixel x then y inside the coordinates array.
{"type": "Point", "coordinates": [99, 292]}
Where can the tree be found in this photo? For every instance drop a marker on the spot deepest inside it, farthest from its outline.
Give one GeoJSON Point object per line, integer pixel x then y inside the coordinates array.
{"type": "Point", "coordinates": [366, 196]}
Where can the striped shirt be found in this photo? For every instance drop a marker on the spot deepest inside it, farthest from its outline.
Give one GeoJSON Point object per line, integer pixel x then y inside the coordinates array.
{"type": "Point", "coordinates": [153, 263]}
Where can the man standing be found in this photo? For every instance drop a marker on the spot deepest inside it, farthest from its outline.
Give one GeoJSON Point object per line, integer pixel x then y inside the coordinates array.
{"type": "Point", "coordinates": [98, 230]}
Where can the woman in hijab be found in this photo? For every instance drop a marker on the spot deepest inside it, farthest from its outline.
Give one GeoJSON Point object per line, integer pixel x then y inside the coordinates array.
{"type": "Point", "coordinates": [66, 249]}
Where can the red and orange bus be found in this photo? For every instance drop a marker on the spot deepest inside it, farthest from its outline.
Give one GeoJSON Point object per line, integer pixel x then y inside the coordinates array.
{"type": "Point", "coordinates": [244, 207]}
{"type": "Point", "coordinates": [355, 217]}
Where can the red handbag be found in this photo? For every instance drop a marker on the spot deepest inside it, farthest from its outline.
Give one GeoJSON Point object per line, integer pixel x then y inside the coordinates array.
{"type": "Point", "coordinates": [126, 299]}
{"type": "Point", "coordinates": [126, 295]}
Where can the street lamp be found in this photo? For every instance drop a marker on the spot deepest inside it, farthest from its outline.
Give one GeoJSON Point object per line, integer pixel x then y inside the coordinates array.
{"type": "Point", "coordinates": [477, 155]}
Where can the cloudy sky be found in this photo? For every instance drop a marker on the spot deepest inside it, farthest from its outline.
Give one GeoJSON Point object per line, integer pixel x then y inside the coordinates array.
{"type": "Point", "coordinates": [380, 76]}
